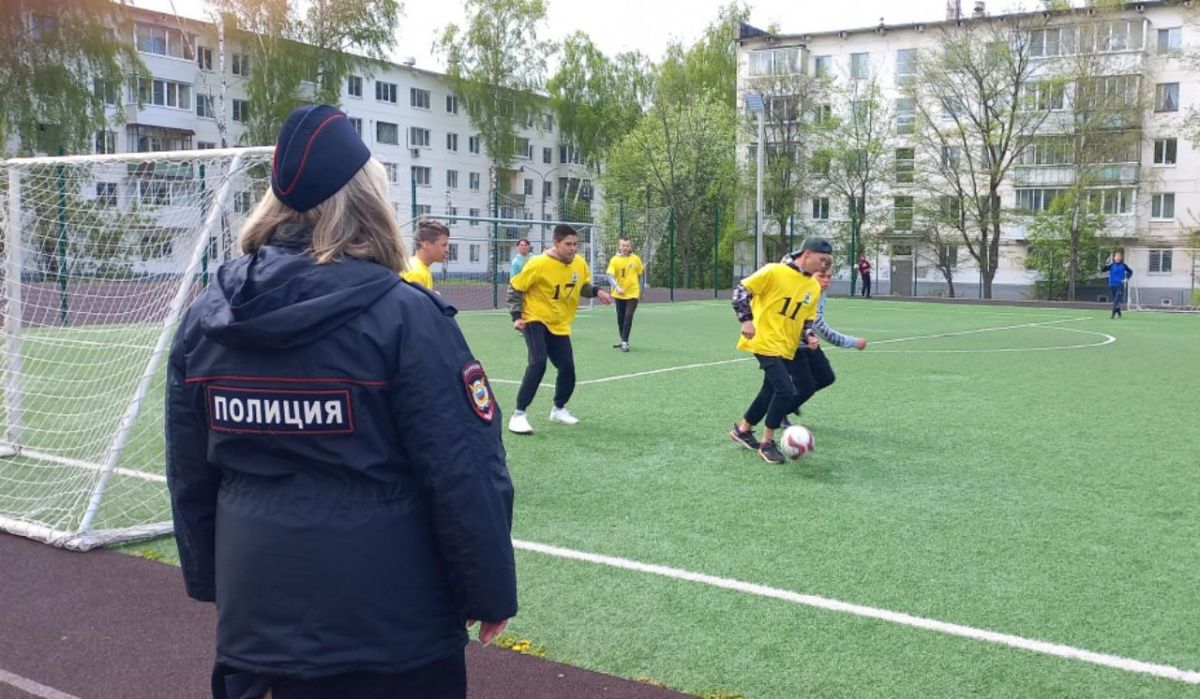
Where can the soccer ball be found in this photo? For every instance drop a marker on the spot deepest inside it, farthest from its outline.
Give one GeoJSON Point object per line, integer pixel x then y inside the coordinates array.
{"type": "Point", "coordinates": [797, 442]}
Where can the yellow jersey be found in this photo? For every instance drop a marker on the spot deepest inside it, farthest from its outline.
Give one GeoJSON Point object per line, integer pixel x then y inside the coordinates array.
{"type": "Point", "coordinates": [782, 299]}
{"type": "Point", "coordinates": [627, 270]}
{"type": "Point", "coordinates": [551, 290]}
{"type": "Point", "coordinates": [418, 273]}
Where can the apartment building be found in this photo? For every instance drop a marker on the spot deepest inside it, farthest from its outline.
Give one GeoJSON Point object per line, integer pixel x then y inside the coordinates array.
{"type": "Point", "coordinates": [1151, 200]}
{"type": "Point", "coordinates": [409, 117]}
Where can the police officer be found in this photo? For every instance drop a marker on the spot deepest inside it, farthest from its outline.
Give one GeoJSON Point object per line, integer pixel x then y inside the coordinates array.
{"type": "Point", "coordinates": [337, 479]}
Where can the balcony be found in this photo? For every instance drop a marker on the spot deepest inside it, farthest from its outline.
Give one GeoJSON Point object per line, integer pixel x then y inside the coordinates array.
{"type": "Point", "coordinates": [1065, 175]}
{"type": "Point", "coordinates": [163, 117]}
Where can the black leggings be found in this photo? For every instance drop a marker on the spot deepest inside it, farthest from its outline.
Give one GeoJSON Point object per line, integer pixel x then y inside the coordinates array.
{"type": "Point", "coordinates": [625, 310]}
{"type": "Point", "coordinates": [543, 344]}
{"type": "Point", "coordinates": [788, 384]}
{"type": "Point", "coordinates": [866, 285]}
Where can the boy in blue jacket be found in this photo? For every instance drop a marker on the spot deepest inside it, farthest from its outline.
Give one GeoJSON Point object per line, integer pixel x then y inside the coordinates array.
{"type": "Point", "coordinates": [1118, 274]}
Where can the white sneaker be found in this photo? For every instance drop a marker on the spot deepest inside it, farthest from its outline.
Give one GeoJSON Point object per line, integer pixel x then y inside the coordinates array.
{"type": "Point", "coordinates": [562, 415]}
{"type": "Point", "coordinates": [519, 423]}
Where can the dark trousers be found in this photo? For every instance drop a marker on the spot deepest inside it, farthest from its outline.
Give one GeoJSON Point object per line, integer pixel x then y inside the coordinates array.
{"type": "Point", "coordinates": [806, 373]}
{"type": "Point", "coordinates": [543, 344]}
{"type": "Point", "coordinates": [866, 290]}
{"type": "Point", "coordinates": [441, 679]}
{"type": "Point", "coordinates": [625, 310]}
{"type": "Point", "coordinates": [1118, 293]}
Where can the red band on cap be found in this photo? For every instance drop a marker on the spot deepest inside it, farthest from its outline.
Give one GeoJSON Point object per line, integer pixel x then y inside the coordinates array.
{"type": "Point", "coordinates": [307, 147]}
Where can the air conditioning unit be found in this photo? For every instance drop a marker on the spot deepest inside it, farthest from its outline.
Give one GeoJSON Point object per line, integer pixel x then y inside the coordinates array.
{"type": "Point", "coordinates": [414, 152]}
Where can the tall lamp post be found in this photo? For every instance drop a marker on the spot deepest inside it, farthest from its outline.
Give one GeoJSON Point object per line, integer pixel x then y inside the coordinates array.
{"type": "Point", "coordinates": [542, 194]}
{"type": "Point", "coordinates": [756, 105]}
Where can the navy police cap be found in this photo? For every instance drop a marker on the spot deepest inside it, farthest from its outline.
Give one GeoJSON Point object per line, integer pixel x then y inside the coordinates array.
{"type": "Point", "coordinates": [317, 154]}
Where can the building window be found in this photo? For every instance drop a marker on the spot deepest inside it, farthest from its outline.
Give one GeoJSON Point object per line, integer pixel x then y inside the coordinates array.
{"type": "Point", "coordinates": [1113, 202]}
{"type": "Point", "coordinates": [474, 214]}
{"type": "Point", "coordinates": [387, 133]}
{"type": "Point", "coordinates": [243, 202]}
{"type": "Point", "coordinates": [1170, 41]}
{"type": "Point", "coordinates": [528, 189]}
{"type": "Point", "coordinates": [951, 157]}
{"type": "Point", "coordinates": [1032, 200]}
{"type": "Point", "coordinates": [1165, 150]}
{"type": "Point", "coordinates": [452, 104]}
{"type": "Point", "coordinates": [422, 175]}
{"type": "Point", "coordinates": [106, 91]}
{"type": "Point", "coordinates": [357, 124]}
{"type": "Point", "coordinates": [1053, 41]}
{"type": "Point", "coordinates": [547, 155]}
{"type": "Point", "coordinates": [418, 98]}
{"type": "Point", "coordinates": [948, 255]}
{"type": "Point", "coordinates": [473, 253]}
{"type": "Point", "coordinates": [902, 213]}
{"type": "Point", "coordinates": [473, 181]}
{"type": "Point", "coordinates": [860, 65]}
{"type": "Point", "coordinates": [204, 107]}
{"type": "Point", "coordinates": [106, 194]}
{"type": "Point", "coordinates": [822, 66]}
{"type": "Point", "coordinates": [204, 58]}
{"type": "Point", "coordinates": [568, 154]}
{"type": "Point", "coordinates": [1160, 261]}
{"type": "Point", "coordinates": [820, 209]}
{"type": "Point", "coordinates": [205, 145]}
{"type": "Point", "coordinates": [452, 253]}
{"type": "Point", "coordinates": [150, 38]}
{"type": "Point", "coordinates": [1166, 97]}
{"type": "Point", "coordinates": [418, 137]}
{"type": "Point", "coordinates": [549, 125]}
{"type": "Point", "coordinates": [162, 93]}
{"type": "Point", "coordinates": [241, 65]}
{"type": "Point", "coordinates": [1105, 37]}
{"type": "Point", "coordinates": [354, 86]}
{"type": "Point", "coordinates": [241, 111]}
{"type": "Point", "coordinates": [524, 149]}
{"type": "Point", "coordinates": [1051, 150]}
{"type": "Point", "coordinates": [1162, 207]}
{"type": "Point", "coordinates": [452, 142]}
{"type": "Point", "coordinates": [106, 142]}
{"type": "Point", "coordinates": [905, 165]}
{"type": "Point", "coordinates": [452, 179]}
{"type": "Point", "coordinates": [385, 92]}
{"type": "Point", "coordinates": [547, 190]}
{"type": "Point", "coordinates": [473, 144]}
{"type": "Point", "coordinates": [424, 209]}
{"type": "Point", "coordinates": [775, 62]}
{"type": "Point", "coordinates": [393, 172]}
{"type": "Point", "coordinates": [1047, 96]}
{"type": "Point", "coordinates": [906, 66]}
{"type": "Point", "coordinates": [906, 115]}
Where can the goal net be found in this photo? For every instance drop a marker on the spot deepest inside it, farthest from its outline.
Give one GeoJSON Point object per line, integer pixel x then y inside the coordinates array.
{"type": "Point", "coordinates": [1164, 279]}
{"type": "Point", "coordinates": [101, 254]}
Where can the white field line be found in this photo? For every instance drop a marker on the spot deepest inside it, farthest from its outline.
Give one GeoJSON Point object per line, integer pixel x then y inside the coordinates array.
{"type": "Point", "coordinates": [1108, 340]}
{"type": "Point", "coordinates": [701, 365]}
{"type": "Point", "coordinates": [36, 689]}
{"type": "Point", "coordinates": [1031, 645]}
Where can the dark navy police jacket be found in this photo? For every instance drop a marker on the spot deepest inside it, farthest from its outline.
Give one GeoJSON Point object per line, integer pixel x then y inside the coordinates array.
{"type": "Point", "coordinates": [337, 478]}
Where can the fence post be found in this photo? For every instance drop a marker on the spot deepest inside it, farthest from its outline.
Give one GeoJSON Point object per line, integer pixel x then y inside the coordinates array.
{"type": "Point", "coordinates": [671, 235]}
{"type": "Point", "coordinates": [792, 232]}
{"type": "Point", "coordinates": [207, 244]}
{"type": "Point", "coordinates": [716, 247]}
{"type": "Point", "coordinates": [62, 242]}
{"type": "Point", "coordinates": [621, 218]}
{"type": "Point", "coordinates": [495, 248]}
{"type": "Point", "coordinates": [414, 201]}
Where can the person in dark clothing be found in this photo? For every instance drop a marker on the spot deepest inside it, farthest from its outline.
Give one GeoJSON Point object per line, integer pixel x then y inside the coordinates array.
{"type": "Point", "coordinates": [1118, 274]}
{"type": "Point", "coordinates": [337, 479]}
{"type": "Point", "coordinates": [864, 270]}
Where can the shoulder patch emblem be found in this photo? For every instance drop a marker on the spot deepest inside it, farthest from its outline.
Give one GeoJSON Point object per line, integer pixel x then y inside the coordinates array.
{"type": "Point", "coordinates": [479, 392]}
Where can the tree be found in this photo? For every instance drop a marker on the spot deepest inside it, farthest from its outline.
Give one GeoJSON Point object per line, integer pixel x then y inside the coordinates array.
{"type": "Point", "coordinates": [975, 95]}
{"type": "Point", "coordinates": [296, 59]}
{"type": "Point", "coordinates": [1062, 235]}
{"type": "Point", "coordinates": [788, 96]}
{"type": "Point", "coordinates": [942, 225]}
{"type": "Point", "coordinates": [497, 64]}
{"type": "Point", "coordinates": [851, 154]}
{"type": "Point", "coordinates": [597, 99]}
{"type": "Point", "coordinates": [60, 62]}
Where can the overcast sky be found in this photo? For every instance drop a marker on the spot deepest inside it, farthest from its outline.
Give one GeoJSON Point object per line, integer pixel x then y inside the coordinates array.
{"type": "Point", "coordinates": [646, 25]}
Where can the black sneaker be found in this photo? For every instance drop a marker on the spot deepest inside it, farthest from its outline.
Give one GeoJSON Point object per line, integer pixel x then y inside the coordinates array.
{"type": "Point", "coordinates": [617, 346]}
{"type": "Point", "coordinates": [770, 453]}
{"type": "Point", "coordinates": [746, 439]}
{"type": "Point", "coordinates": [785, 423]}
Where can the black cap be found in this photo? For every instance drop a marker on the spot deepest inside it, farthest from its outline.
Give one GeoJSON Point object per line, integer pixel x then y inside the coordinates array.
{"type": "Point", "coordinates": [317, 154]}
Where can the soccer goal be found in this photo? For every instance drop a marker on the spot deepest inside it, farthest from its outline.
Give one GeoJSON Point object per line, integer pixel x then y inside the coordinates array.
{"type": "Point", "coordinates": [101, 254]}
{"type": "Point", "coordinates": [1164, 279]}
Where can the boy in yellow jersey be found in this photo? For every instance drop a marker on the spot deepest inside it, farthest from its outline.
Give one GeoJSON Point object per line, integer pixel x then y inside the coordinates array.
{"type": "Point", "coordinates": [543, 300]}
{"type": "Point", "coordinates": [775, 306]}
{"type": "Point", "coordinates": [432, 241]}
{"type": "Point", "coordinates": [624, 273]}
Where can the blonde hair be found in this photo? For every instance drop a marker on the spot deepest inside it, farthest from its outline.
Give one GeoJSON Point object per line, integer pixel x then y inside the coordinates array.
{"type": "Point", "coordinates": [357, 221]}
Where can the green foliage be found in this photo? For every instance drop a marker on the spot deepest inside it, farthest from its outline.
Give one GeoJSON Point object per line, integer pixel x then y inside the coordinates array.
{"type": "Point", "coordinates": [596, 99]}
{"type": "Point", "coordinates": [53, 55]}
{"type": "Point", "coordinates": [305, 59]}
{"type": "Point", "coordinates": [496, 65]}
{"type": "Point", "coordinates": [1064, 243]}
{"type": "Point", "coordinates": [709, 65]}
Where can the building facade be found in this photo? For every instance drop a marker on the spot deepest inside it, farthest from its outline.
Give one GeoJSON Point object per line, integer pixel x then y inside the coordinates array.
{"type": "Point", "coordinates": [409, 117]}
{"type": "Point", "coordinates": [1149, 198]}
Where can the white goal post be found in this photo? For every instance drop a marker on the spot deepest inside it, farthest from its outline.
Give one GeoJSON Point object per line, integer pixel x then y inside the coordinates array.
{"type": "Point", "coordinates": [1164, 279]}
{"type": "Point", "coordinates": [101, 255]}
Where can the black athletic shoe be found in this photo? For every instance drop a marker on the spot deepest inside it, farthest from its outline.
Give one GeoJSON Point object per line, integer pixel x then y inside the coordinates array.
{"type": "Point", "coordinates": [617, 346]}
{"type": "Point", "coordinates": [624, 346]}
{"type": "Point", "coordinates": [746, 439]}
{"type": "Point", "coordinates": [770, 453]}
{"type": "Point", "coordinates": [785, 423]}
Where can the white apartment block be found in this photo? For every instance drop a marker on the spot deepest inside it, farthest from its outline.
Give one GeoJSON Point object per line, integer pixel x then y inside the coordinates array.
{"type": "Point", "coordinates": [1152, 201]}
{"type": "Point", "coordinates": [408, 117]}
